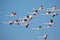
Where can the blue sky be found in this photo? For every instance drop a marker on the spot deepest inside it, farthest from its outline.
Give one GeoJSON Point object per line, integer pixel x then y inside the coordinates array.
{"type": "Point", "coordinates": [22, 7]}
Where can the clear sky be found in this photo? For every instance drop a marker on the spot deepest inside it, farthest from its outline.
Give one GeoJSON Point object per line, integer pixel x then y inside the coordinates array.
{"type": "Point", "coordinates": [22, 7]}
